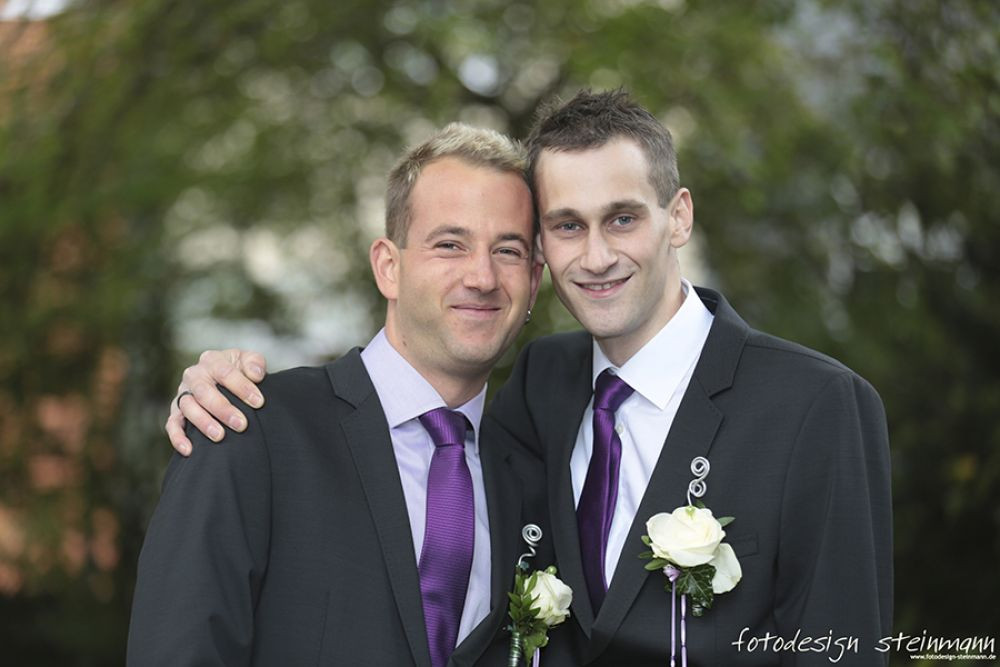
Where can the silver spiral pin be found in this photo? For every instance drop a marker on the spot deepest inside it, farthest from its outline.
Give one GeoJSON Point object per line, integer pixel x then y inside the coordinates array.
{"type": "Point", "coordinates": [532, 535]}
{"type": "Point", "coordinates": [697, 486]}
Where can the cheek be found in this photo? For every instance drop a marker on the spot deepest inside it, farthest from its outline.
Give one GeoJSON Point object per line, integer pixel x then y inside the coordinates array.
{"type": "Point", "coordinates": [644, 254]}
{"type": "Point", "coordinates": [556, 258]}
{"type": "Point", "coordinates": [422, 289]}
{"type": "Point", "coordinates": [517, 282]}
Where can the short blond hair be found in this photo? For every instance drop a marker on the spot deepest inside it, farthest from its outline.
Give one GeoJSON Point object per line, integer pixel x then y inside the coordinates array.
{"type": "Point", "coordinates": [478, 146]}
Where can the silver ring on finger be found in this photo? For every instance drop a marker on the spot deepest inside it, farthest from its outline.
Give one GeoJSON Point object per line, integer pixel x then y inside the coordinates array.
{"type": "Point", "coordinates": [186, 392]}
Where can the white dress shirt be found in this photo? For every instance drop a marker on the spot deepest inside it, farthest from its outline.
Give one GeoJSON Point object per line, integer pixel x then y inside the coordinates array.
{"type": "Point", "coordinates": [405, 395]}
{"type": "Point", "coordinates": [659, 373]}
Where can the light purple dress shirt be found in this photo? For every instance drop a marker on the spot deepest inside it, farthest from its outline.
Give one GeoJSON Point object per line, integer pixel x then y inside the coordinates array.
{"type": "Point", "coordinates": [405, 395]}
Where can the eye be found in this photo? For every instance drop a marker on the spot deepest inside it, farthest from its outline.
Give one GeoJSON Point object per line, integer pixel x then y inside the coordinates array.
{"type": "Point", "coordinates": [623, 220]}
{"type": "Point", "coordinates": [447, 245]}
{"type": "Point", "coordinates": [568, 226]}
{"type": "Point", "coordinates": [510, 251]}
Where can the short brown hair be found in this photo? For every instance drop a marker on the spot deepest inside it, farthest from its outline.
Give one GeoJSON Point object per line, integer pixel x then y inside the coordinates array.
{"type": "Point", "coordinates": [590, 120]}
{"type": "Point", "coordinates": [475, 145]}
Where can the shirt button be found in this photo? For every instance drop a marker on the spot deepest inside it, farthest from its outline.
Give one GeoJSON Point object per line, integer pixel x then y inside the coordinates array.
{"type": "Point", "coordinates": [619, 429]}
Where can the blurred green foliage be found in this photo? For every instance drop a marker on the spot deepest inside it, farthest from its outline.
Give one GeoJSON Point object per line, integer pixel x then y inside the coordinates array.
{"type": "Point", "coordinates": [174, 168]}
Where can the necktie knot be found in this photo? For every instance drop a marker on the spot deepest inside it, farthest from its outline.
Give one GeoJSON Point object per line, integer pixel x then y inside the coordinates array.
{"type": "Point", "coordinates": [446, 427]}
{"type": "Point", "coordinates": [610, 391]}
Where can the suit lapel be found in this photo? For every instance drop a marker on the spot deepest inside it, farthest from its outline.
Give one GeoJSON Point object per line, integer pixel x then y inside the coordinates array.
{"type": "Point", "coordinates": [367, 436]}
{"type": "Point", "coordinates": [693, 430]}
{"type": "Point", "coordinates": [503, 505]}
{"type": "Point", "coordinates": [562, 413]}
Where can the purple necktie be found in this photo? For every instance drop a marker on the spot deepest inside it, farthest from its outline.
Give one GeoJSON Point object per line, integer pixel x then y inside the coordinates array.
{"type": "Point", "coordinates": [600, 489]}
{"type": "Point", "coordinates": [446, 555]}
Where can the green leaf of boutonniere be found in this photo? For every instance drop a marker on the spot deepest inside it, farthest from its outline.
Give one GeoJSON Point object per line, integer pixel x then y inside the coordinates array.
{"type": "Point", "coordinates": [534, 641]}
{"type": "Point", "coordinates": [696, 583]}
{"type": "Point", "coordinates": [656, 564]}
{"type": "Point", "coordinates": [726, 520]}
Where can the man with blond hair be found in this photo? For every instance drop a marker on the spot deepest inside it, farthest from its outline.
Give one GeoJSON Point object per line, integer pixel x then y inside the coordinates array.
{"type": "Point", "coordinates": [368, 517]}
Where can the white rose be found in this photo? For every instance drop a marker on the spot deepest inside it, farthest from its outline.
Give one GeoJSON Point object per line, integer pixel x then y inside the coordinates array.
{"type": "Point", "coordinates": [552, 598]}
{"type": "Point", "coordinates": [727, 570]}
{"type": "Point", "coordinates": [687, 537]}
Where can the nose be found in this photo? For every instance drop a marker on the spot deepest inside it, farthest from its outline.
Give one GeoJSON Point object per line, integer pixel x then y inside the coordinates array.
{"type": "Point", "coordinates": [598, 256]}
{"type": "Point", "coordinates": [480, 273]}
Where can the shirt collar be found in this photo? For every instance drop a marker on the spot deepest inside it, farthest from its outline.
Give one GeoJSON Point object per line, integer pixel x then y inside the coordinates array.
{"type": "Point", "coordinates": [658, 367]}
{"type": "Point", "coordinates": [403, 391]}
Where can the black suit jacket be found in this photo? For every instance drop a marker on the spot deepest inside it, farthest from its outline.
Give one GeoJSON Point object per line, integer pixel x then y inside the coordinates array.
{"type": "Point", "coordinates": [290, 544]}
{"type": "Point", "coordinates": [799, 455]}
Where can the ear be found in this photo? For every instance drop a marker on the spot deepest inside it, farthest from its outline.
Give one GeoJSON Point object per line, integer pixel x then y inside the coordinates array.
{"type": "Point", "coordinates": [384, 257]}
{"type": "Point", "coordinates": [681, 218]}
{"type": "Point", "coordinates": [539, 253]}
{"type": "Point", "coordinates": [537, 267]}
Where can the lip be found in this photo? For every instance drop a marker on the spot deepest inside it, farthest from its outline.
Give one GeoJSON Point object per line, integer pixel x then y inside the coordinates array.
{"type": "Point", "coordinates": [604, 289]}
{"type": "Point", "coordinates": [476, 311]}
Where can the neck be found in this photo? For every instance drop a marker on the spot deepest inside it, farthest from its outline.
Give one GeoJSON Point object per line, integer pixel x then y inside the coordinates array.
{"type": "Point", "coordinates": [455, 391]}
{"type": "Point", "coordinates": [455, 387]}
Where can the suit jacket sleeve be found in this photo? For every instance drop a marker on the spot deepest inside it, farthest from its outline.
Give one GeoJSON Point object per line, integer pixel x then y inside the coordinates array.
{"type": "Point", "coordinates": [204, 555]}
{"type": "Point", "coordinates": [834, 570]}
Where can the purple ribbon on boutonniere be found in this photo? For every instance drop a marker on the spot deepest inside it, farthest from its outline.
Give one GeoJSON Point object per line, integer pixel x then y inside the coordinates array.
{"type": "Point", "coordinates": [672, 574]}
{"type": "Point", "coordinates": [686, 545]}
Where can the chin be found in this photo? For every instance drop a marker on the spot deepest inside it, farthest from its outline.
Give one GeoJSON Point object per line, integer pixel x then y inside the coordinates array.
{"type": "Point", "coordinates": [476, 356]}
{"type": "Point", "coordinates": [600, 324]}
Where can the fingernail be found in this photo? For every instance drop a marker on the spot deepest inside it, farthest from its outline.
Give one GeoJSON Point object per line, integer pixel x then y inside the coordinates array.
{"type": "Point", "coordinates": [256, 371]}
{"type": "Point", "coordinates": [256, 400]}
{"type": "Point", "coordinates": [215, 432]}
{"type": "Point", "coordinates": [237, 422]}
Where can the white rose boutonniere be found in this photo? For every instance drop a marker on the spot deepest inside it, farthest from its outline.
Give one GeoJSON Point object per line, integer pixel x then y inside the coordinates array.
{"type": "Point", "coordinates": [687, 537]}
{"type": "Point", "coordinates": [539, 601]}
{"type": "Point", "coordinates": [551, 598]}
{"type": "Point", "coordinates": [687, 545]}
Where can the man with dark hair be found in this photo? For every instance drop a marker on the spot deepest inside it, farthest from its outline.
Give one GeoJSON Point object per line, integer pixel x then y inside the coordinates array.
{"type": "Point", "coordinates": [796, 441]}
{"type": "Point", "coordinates": [665, 374]}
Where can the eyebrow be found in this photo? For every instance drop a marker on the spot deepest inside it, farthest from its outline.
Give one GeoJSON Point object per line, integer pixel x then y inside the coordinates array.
{"type": "Point", "coordinates": [464, 232]}
{"type": "Point", "coordinates": [514, 236]}
{"type": "Point", "coordinates": [447, 230]}
{"type": "Point", "coordinates": [560, 213]}
{"type": "Point", "coordinates": [613, 207]}
{"type": "Point", "coordinates": [625, 205]}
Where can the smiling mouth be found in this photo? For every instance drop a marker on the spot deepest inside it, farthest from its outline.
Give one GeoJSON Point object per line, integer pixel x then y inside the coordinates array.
{"type": "Point", "coordinates": [601, 289]}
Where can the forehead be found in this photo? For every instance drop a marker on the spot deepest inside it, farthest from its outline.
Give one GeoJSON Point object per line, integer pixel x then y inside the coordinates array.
{"type": "Point", "coordinates": [453, 191]}
{"type": "Point", "coordinates": [578, 179]}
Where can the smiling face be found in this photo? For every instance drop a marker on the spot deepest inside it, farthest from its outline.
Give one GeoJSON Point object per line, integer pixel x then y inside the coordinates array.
{"type": "Point", "coordinates": [610, 247]}
{"type": "Point", "coordinates": [460, 289]}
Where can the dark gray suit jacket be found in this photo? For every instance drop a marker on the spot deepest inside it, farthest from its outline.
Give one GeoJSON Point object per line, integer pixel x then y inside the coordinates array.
{"type": "Point", "coordinates": [799, 455]}
{"type": "Point", "coordinates": [290, 543]}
